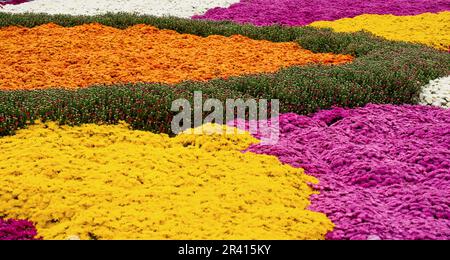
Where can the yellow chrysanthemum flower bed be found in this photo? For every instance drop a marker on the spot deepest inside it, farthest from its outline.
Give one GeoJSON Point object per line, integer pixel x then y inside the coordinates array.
{"type": "Point", "coordinates": [110, 182]}
{"type": "Point", "coordinates": [430, 28]}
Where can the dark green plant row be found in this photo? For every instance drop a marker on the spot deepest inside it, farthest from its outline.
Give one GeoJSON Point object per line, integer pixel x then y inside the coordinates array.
{"type": "Point", "coordinates": [143, 107]}
{"type": "Point", "coordinates": [383, 72]}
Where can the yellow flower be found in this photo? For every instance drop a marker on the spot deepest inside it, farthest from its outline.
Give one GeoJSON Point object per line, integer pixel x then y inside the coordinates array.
{"type": "Point", "coordinates": [429, 28]}
{"type": "Point", "coordinates": [80, 182]}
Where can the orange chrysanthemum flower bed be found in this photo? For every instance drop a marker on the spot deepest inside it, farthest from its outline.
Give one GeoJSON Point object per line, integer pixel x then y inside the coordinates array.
{"type": "Point", "coordinates": [54, 56]}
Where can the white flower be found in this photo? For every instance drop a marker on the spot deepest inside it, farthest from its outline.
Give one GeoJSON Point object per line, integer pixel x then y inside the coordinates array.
{"type": "Point", "coordinates": [436, 93]}
{"type": "Point", "coordinates": [179, 8]}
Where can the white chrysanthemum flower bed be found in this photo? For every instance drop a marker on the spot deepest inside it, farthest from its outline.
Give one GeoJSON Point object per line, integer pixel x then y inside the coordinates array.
{"type": "Point", "coordinates": [436, 93]}
{"type": "Point", "coordinates": [178, 8]}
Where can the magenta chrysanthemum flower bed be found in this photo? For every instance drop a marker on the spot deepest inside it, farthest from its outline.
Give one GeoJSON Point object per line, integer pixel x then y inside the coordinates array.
{"type": "Point", "coordinates": [17, 230]}
{"type": "Point", "coordinates": [384, 171]}
{"type": "Point", "coordinates": [12, 2]}
{"type": "Point", "coordinates": [303, 12]}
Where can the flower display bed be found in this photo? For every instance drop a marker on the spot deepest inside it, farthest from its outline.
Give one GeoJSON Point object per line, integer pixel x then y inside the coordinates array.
{"type": "Point", "coordinates": [430, 29]}
{"type": "Point", "coordinates": [91, 54]}
{"type": "Point", "coordinates": [382, 72]}
{"type": "Point", "coordinates": [304, 12]}
{"type": "Point", "coordinates": [383, 170]}
{"type": "Point", "coordinates": [178, 8]}
{"type": "Point", "coordinates": [122, 184]}
{"type": "Point", "coordinates": [357, 158]}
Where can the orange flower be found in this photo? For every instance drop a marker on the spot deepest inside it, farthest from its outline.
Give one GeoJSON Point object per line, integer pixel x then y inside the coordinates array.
{"type": "Point", "coordinates": [55, 56]}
